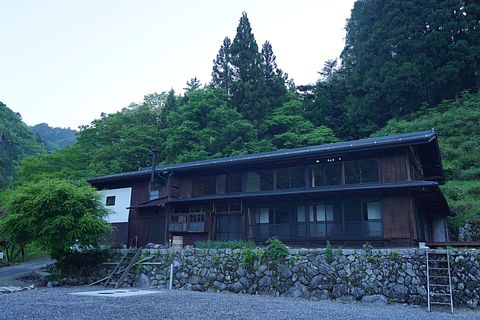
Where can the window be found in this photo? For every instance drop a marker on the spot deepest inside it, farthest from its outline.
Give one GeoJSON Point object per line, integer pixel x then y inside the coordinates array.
{"type": "Point", "coordinates": [204, 185]}
{"type": "Point", "coordinates": [326, 174]}
{"type": "Point", "coordinates": [352, 172]}
{"type": "Point", "coordinates": [235, 207]}
{"type": "Point", "coordinates": [293, 177]}
{"type": "Point", "coordinates": [333, 173]}
{"type": "Point", "coordinates": [110, 201]}
{"type": "Point", "coordinates": [361, 171]}
{"type": "Point", "coordinates": [154, 191]}
{"type": "Point", "coordinates": [301, 214]}
{"type": "Point", "coordinates": [262, 215]}
{"type": "Point", "coordinates": [233, 182]}
{"type": "Point", "coordinates": [260, 180]}
{"type": "Point", "coordinates": [372, 217]}
{"type": "Point", "coordinates": [320, 217]}
{"type": "Point", "coordinates": [229, 228]}
{"type": "Point", "coordinates": [369, 170]}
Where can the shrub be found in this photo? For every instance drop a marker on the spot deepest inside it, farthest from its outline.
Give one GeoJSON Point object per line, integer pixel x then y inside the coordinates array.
{"type": "Point", "coordinates": [276, 249]}
{"type": "Point", "coordinates": [328, 252]}
{"type": "Point", "coordinates": [224, 244]}
{"type": "Point", "coordinates": [81, 263]}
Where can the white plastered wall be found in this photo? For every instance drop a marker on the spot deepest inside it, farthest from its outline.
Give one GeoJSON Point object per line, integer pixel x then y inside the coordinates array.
{"type": "Point", "coordinates": [119, 211]}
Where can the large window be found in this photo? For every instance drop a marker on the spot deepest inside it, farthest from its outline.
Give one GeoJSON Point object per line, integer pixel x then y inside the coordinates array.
{"type": "Point", "coordinates": [260, 180]}
{"type": "Point", "coordinates": [337, 219]}
{"type": "Point", "coordinates": [292, 177]}
{"type": "Point", "coordinates": [326, 174]}
{"type": "Point", "coordinates": [230, 182]}
{"type": "Point", "coordinates": [204, 185]}
{"type": "Point", "coordinates": [361, 171]}
{"type": "Point", "coordinates": [229, 227]}
{"type": "Point", "coordinates": [320, 215]}
{"type": "Point", "coordinates": [272, 221]}
{"type": "Point", "coordinates": [234, 182]}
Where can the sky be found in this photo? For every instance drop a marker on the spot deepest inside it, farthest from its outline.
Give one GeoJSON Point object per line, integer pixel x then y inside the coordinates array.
{"type": "Point", "coordinates": [66, 62]}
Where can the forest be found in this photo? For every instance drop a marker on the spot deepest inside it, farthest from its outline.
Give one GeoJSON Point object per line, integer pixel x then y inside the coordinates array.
{"type": "Point", "coordinates": [406, 65]}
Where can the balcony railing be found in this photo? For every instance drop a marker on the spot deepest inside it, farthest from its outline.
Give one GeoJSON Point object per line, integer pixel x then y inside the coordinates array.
{"type": "Point", "coordinates": [318, 230]}
{"type": "Point", "coordinates": [187, 222]}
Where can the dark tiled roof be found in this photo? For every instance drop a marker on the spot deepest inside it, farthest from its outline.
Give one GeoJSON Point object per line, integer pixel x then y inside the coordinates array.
{"type": "Point", "coordinates": [412, 138]}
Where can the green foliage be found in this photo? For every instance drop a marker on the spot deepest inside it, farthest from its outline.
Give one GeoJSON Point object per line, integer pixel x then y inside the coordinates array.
{"type": "Point", "coordinates": [398, 56]}
{"type": "Point", "coordinates": [16, 142]}
{"type": "Point", "coordinates": [328, 252]}
{"type": "Point", "coordinates": [55, 138]}
{"type": "Point", "coordinates": [276, 250]}
{"type": "Point", "coordinates": [81, 263]}
{"type": "Point", "coordinates": [250, 256]}
{"type": "Point", "coordinates": [224, 244]}
{"type": "Point", "coordinates": [59, 216]}
{"type": "Point", "coordinates": [394, 255]}
{"type": "Point", "coordinates": [456, 123]}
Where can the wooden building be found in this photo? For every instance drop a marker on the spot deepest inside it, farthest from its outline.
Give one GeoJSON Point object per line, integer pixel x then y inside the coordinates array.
{"type": "Point", "coordinates": [380, 190]}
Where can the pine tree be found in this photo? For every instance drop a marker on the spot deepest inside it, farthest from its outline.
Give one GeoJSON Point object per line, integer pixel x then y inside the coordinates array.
{"type": "Point", "coordinates": [247, 78]}
{"type": "Point", "coordinates": [222, 67]}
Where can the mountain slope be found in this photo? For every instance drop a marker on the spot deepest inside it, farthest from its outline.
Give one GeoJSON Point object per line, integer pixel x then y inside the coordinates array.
{"type": "Point", "coordinates": [53, 137]}
{"type": "Point", "coordinates": [16, 142]}
{"type": "Point", "coordinates": [457, 125]}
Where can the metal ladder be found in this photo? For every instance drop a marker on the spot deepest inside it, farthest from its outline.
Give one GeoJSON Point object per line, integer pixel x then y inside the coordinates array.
{"type": "Point", "coordinates": [122, 268]}
{"type": "Point", "coordinates": [439, 280]}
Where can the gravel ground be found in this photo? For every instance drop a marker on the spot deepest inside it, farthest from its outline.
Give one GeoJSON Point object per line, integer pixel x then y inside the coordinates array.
{"type": "Point", "coordinates": [56, 303]}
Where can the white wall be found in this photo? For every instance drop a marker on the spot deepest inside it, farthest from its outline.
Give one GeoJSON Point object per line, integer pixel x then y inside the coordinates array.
{"type": "Point", "coordinates": [122, 202]}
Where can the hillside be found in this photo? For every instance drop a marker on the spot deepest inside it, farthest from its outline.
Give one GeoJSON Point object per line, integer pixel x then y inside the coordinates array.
{"type": "Point", "coordinates": [16, 142]}
{"type": "Point", "coordinates": [53, 137]}
{"type": "Point", "coordinates": [457, 124]}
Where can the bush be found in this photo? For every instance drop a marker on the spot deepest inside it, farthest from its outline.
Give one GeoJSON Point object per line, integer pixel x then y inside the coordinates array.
{"type": "Point", "coordinates": [276, 250]}
{"type": "Point", "coordinates": [81, 263]}
{"type": "Point", "coordinates": [224, 244]}
{"type": "Point", "coordinates": [328, 252]}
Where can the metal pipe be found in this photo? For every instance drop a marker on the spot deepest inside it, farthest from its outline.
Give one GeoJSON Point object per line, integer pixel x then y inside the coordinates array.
{"type": "Point", "coordinates": [154, 164]}
{"type": "Point", "coordinates": [170, 286]}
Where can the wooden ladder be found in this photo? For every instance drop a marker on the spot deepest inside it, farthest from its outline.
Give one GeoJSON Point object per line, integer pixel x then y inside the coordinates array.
{"type": "Point", "coordinates": [439, 280]}
{"type": "Point", "coordinates": [122, 268]}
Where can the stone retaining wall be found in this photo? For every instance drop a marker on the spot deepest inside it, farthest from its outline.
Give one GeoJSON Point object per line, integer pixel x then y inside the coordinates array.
{"type": "Point", "coordinates": [378, 275]}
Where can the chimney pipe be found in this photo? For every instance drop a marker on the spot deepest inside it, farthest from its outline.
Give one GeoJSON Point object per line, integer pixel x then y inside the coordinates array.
{"type": "Point", "coordinates": [154, 164]}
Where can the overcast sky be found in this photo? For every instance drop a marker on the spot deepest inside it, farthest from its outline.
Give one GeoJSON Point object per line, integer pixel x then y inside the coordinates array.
{"type": "Point", "coordinates": [65, 62]}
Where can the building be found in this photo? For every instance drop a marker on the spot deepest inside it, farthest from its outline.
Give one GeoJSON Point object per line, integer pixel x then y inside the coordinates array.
{"type": "Point", "coordinates": [380, 190]}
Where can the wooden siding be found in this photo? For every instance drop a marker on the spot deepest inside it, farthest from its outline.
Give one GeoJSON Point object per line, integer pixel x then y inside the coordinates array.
{"type": "Point", "coordinates": [393, 168]}
{"type": "Point", "coordinates": [397, 218]}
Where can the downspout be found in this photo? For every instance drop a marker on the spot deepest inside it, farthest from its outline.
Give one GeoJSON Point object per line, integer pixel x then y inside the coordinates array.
{"type": "Point", "coordinates": [154, 165]}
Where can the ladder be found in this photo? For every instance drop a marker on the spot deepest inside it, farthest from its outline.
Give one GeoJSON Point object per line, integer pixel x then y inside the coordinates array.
{"type": "Point", "coordinates": [439, 280]}
{"type": "Point", "coordinates": [123, 267]}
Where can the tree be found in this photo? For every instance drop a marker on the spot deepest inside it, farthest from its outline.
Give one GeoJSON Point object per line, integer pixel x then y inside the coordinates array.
{"type": "Point", "coordinates": [17, 141]}
{"type": "Point", "coordinates": [275, 79]}
{"type": "Point", "coordinates": [222, 67]}
{"type": "Point", "coordinates": [205, 127]}
{"type": "Point", "coordinates": [288, 128]}
{"type": "Point", "coordinates": [328, 70]}
{"type": "Point", "coordinates": [56, 214]}
{"type": "Point", "coordinates": [248, 83]}
{"type": "Point", "coordinates": [192, 85]}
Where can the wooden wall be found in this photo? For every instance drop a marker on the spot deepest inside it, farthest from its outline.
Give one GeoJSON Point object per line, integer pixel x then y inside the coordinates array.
{"type": "Point", "coordinates": [398, 218]}
{"type": "Point", "coordinates": [394, 168]}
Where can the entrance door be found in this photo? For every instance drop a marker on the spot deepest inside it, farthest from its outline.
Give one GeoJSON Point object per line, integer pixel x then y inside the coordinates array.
{"type": "Point", "coordinates": [229, 227]}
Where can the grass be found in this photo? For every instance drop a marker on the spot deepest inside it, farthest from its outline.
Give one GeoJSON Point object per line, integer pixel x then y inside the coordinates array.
{"type": "Point", "coordinates": [225, 244]}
